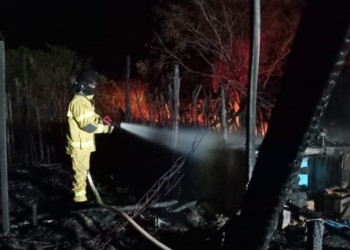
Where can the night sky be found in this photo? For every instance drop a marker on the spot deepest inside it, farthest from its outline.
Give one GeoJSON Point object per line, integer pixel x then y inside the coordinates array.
{"type": "Point", "coordinates": [104, 30]}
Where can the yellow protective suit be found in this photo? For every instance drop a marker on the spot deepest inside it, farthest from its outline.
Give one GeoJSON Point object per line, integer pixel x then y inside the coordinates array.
{"type": "Point", "coordinates": [84, 123]}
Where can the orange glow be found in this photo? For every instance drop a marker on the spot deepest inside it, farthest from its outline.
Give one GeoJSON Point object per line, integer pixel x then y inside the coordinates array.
{"type": "Point", "coordinates": [168, 114]}
{"type": "Point", "coordinates": [110, 100]}
{"type": "Point", "coordinates": [111, 97]}
{"type": "Point", "coordinates": [240, 65]}
{"type": "Point", "coordinates": [262, 128]}
{"type": "Point", "coordinates": [236, 106]}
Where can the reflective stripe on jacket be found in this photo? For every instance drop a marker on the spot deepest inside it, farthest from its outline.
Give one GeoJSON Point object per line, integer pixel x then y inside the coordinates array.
{"type": "Point", "coordinates": [83, 123]}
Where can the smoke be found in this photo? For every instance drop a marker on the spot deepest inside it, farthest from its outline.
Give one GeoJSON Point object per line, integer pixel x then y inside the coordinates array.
{"type": "Point", "coordinates": [186, 137]}
{"type": "Point", "coordinates": [336, 119]}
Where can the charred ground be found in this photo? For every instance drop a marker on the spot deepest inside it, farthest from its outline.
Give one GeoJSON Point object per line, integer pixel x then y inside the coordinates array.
{"type": "Point", "coordinates": [123, 168]}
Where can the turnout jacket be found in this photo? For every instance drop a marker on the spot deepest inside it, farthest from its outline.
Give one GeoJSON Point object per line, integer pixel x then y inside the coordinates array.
{"type": "Point", "coordinates": [83, 123]}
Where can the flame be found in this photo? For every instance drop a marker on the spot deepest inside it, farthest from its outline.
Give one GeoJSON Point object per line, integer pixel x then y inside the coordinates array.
{"type": "Point", "coordinates": [236, 107]}
{"type": "Point", "coordinates": [263, 126]}
{"type": "Point", "coordinates": [235, 77]}
{"type": "Point", "coordinates": [111, 97]}
{"type": "Point", "coordinates": [111, 100]}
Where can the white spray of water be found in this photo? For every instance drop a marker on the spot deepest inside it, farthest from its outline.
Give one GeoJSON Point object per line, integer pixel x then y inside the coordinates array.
{"type": "Point", "coordinates": [185, 139]}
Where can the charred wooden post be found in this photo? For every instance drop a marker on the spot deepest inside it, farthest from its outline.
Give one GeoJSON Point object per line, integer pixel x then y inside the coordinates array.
{"type": "Point", "coordinates": [306, 86]}
{"type": "Point", "coordinates": [27, 152]}
{"type": "Point", "coordinates": [128, 115]}
{"type": "Point", "coordinates": [11, 137]}
{"type": "Point", "coordinates": [8, 131]}
{"type": "Point", "coordinates": [195, 94]}
{"type": "Point", "coordinates": [158, 107]}
{"type": "Point", "coordinates": [171, 101]}
{"type": "Point", "coordinates": [176, 103]}
{"type": "Point", "coordinates": [163, 110]}
{"type": "Point", "coordinates": [203, 111]}
{"type": "Point", "coordinates": [138, 103]}
{"type": "Point", "coordinates": [150, 113]}
{"type": "Point", "coordinates": [3, 151]}
{"type": "Point", "coordinates": [30, 150]}
{"type": "Point", "coordinates": [8, 143]}
{"type": "Point", "coordinates": [41, 146]}
{"type": "Point", "coordinates": [253, 82]}
{"type": "Point", "coordinates": [223, 113]}
{"type": "Point", "coordinates": [315, 230]}
{"type": "Point", "coordinates": [21, 156]}
{"type": "Point", "coordinates": [210, 107]}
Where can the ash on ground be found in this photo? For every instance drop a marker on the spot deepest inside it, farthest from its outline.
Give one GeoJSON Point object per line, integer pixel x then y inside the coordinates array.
{"type": "Point", "coordinates": [42, 217]}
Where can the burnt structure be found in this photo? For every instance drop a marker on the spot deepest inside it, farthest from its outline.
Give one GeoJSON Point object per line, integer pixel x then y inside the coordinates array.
{"type": "Point", "coordinates": [314, 65]}
{"type": "Point", "coordinates": [324, 176]}
{"type": "Point", "coordinates": [326, 162]}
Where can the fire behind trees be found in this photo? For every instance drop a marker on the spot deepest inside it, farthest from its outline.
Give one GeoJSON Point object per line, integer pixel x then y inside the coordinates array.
{"type": "Point", "coordinates": [210, 41]}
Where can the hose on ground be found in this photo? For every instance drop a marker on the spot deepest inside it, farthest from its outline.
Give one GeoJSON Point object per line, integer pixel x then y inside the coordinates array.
{"type": "Point", "coordinates": [127, 217]}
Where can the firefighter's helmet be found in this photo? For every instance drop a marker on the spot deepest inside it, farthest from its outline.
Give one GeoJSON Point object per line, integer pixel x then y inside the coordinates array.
{"type": "Point", "coordinates": [85, 80]}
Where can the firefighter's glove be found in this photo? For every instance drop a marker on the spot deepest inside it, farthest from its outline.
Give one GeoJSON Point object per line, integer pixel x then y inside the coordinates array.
{"type": "Point", "coordinates": [107, 120]}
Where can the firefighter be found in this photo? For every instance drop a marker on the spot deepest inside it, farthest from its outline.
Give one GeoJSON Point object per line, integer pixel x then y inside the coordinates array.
{"type": "Point", "coordinates": [84, 123]}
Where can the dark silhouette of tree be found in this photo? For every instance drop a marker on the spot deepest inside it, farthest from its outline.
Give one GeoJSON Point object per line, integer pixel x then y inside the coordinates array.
{"type": "Point", "coordinates": [211, 38]}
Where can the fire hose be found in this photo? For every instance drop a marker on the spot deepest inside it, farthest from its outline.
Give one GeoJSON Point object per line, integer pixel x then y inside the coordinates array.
{"type": "Point", "coordinates": [127, 217]}
{"type": "Point", "coordinates": [167, 182]}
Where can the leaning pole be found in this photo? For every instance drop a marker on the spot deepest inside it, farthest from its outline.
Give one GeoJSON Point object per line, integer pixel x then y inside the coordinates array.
{"type": "Point", "coordinates": [253, 83]}
{"type": "Point", "coordinates": [3, 152]}
{"type": "Point", "coordinates": [319, 50]}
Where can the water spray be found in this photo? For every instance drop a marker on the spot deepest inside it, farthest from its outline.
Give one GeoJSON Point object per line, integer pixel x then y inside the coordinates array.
{"type": "Point", "coordinates": [164, 137]}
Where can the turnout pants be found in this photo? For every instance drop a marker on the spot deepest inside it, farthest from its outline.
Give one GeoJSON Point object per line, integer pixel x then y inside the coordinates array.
{"type": "Point", "coordinates": [81, 164]}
